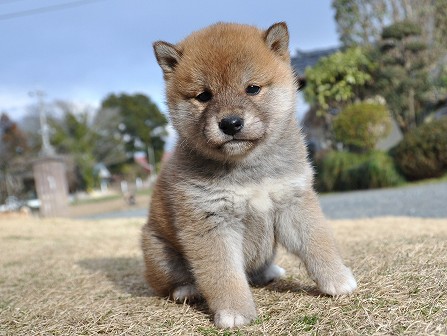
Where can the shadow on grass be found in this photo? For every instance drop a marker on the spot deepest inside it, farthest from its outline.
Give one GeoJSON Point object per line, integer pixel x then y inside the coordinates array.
{"type": "Point", "coordinates": [127, 275]}
{"type": "Point", "coordinates": [124, 272]}
{"type": "Point", "coordinates": [292, 286]}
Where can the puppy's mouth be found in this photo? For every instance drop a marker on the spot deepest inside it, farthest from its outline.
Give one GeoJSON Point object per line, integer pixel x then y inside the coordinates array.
{"type": "Point", "coordinates": [237, 145]}
{"type": "Point", "coordinates": [239, 139]}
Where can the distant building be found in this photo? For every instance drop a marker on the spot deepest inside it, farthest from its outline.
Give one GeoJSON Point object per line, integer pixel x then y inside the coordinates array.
{"type": "Point", "coordinates": [301, 61]}
{"type": "Point", "coordinates": [312, 126]}
{"type": "Point", "coordinates": [305, 59]}
{"type": "Point", "coordinates": [439, 113]}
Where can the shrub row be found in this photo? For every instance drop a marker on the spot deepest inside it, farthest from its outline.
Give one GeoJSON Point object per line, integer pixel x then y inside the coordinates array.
{"type": "Point", "coordinates": [421, 154]}
{"type": "Point", "coordinates": [341, 171]}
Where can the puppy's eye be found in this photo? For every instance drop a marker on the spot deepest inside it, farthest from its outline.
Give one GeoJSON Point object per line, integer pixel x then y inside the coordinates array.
{"type": "Point", "coordinates": [252, 90]}
{"type": "Point", "coordinates": [204, 97]}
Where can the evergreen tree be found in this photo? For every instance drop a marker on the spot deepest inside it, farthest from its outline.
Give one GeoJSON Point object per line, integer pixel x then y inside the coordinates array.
{"type": "Point", "coordinates": [402, 76]}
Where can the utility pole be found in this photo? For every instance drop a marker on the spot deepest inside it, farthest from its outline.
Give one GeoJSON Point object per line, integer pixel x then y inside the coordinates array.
{"type": "Point", "coordinates": [47, 149]}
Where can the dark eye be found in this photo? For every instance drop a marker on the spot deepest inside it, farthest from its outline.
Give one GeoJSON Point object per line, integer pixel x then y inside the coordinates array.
{"type": "Point", "coordinates": [204, 97]}
{"type": "Point", "coordinates": [252, 90]}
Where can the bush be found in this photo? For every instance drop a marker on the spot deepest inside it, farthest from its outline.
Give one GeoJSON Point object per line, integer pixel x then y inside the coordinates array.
{"type": "Point", "coordinates": [341, 171]}
{"type": "Point", "coordinates": [422, 153]}
{"type": "Point", "coordinates": [400, 30]}
{"type": "Point", "coordinates": [361, 126]}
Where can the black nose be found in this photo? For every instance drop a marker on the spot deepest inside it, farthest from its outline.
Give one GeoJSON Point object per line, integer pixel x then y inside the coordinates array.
{"type": "Point", "coordinates": [231, 125]}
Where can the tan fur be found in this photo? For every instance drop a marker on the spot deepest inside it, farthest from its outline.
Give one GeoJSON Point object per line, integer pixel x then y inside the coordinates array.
{"type": "Point", "coordinates": [223, 202]}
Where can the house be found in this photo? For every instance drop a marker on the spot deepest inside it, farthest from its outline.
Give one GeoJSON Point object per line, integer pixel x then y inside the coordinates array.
{"type": "Point", "coordinates": [313, 127]}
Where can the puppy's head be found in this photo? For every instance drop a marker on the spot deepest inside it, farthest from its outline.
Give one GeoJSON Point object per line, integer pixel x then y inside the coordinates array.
{"type": "Point", "coordinates": [230, 88]}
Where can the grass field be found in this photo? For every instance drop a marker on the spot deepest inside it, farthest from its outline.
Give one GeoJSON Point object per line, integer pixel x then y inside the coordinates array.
{"type": "Point", "coordinates": [68, 277]}
{"type": "Point", "coordinates": [111, 203]}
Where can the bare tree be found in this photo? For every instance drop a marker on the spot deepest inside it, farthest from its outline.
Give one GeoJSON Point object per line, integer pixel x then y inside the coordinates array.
{"type": "Point", "coordinates": [13, 146]}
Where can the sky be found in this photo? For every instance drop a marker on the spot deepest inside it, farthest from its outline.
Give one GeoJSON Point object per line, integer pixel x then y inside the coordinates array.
{"type": "Point", "coordinates": [82, 50]}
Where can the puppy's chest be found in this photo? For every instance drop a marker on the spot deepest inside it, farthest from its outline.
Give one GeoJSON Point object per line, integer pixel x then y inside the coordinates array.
{"type": "Point", "coordinates": [248, 200]}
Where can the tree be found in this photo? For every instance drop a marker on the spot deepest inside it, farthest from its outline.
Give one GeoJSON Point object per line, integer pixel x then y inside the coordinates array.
{"type": "Point", "coordinates": [359, 21]}
{"type": "Point", "coordinates": [109, 147]}
{"type": "Point", "coordinates": [73, 135]}
{"type": "Point", "coordinates": [13, 146]}
{"type": "Point", "coordinates": [30, 124]}
{"type": "Point", "coordinates": [362, 21]}
{"type": "Point", "coordinates": [143, 125]}
{"type": "Point", "coordinates": [13, 139]}
{"type": "Point", "coordinates": [402, 76]}
{"type": "Point", "coordinates": [333, 83]}
{"type": "Point", "coordinates": [440, 24]}
{"type": "Point", "coordinates": [338, 80]}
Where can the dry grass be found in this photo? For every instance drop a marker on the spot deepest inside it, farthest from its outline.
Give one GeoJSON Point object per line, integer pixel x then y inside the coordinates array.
{"type": "Point", "coordinates": [104, 205]}
{"type": "Point", "coordinates": [67, 277]}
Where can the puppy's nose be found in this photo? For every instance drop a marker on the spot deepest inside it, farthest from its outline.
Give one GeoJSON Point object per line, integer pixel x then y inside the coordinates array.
{"type": "Point", "coordinates": [231, 125]}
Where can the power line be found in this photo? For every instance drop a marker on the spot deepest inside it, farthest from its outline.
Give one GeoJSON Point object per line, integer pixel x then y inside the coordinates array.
{"type": "Point", "coordinates": [46, 9]}
{"type": "Point", "coordinates": [4, 2]}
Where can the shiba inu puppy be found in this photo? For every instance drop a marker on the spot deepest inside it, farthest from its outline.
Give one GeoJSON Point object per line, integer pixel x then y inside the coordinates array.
{"type": "Point", "coordinates": [239, 182]}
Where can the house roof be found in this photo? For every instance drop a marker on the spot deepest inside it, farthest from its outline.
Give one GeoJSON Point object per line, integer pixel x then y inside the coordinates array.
{"type": "Point", "coordinates": [304, 59]}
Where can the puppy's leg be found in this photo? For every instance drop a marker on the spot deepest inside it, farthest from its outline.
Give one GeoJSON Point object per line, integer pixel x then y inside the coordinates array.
{"type": "Point", "coordinates": [166, 271]}
{"type": "Point", "coordinates": [217, 262]}
{"type": "Point", "coordinates": [302, 229]}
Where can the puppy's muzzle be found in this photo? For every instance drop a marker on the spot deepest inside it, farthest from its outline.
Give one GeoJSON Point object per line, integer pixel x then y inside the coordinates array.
{"type": "Point", "coordinates": [231, 125]}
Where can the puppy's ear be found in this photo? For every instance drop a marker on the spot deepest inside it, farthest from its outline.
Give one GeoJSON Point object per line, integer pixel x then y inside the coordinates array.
{"type": "Point", "coordinates": [277, 39]}
{"type": "Point", "coordinates": [167, 56]}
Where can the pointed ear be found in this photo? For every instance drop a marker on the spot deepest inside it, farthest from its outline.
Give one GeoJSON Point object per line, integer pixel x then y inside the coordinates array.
{"type": "Point", "coordinates": [277, 39]}
{"type": "Point", "coordinates": [167, 56]}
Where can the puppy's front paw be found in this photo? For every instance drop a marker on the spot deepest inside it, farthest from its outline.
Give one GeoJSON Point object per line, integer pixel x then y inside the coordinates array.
{"type": "Point", "coordinates": [340, 283]}
{"type": "Point", "coordinates": [274, 272]}
{"type": "Point", "coordinates": [186, 292]}
{"type": "Point", "coordinates": [228, 318]}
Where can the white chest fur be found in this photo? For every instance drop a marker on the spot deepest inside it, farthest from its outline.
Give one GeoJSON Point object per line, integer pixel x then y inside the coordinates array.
{"type": "Point", "coordinates": [257, 198]}
{"type": "Point", "coordinates": [270, 192]}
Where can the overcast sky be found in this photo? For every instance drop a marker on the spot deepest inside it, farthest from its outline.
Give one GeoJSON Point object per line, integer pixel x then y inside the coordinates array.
{"type": "Point", "coordinates": [82, 50]}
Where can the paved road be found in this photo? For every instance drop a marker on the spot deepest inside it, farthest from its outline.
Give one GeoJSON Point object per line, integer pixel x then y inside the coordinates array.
{"type": "Point", "coordinates": [427, 200]}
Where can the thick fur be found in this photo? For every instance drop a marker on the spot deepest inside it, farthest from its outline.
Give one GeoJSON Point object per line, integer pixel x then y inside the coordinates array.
{"type": "Point", "coordinates": [223, 202]}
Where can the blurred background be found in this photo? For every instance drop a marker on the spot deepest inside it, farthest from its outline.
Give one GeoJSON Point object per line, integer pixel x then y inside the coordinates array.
{"type": "Point", "coordinates": [82, 113]}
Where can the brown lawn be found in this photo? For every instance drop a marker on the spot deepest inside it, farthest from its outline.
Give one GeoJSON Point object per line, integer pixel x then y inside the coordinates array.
{"type": "Point", "coordinates": [68, 277]}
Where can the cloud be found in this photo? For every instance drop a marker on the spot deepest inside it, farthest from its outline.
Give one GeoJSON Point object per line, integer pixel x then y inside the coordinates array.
{"type": "Point", "coordinates": [14, 102]}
